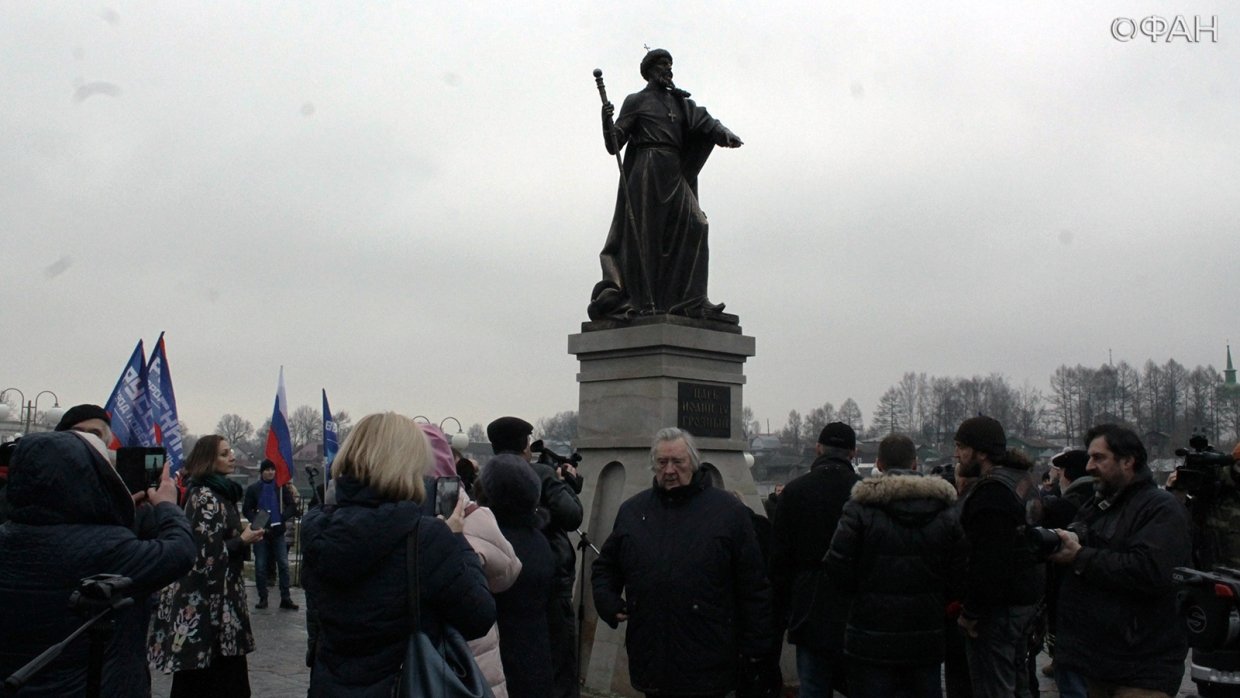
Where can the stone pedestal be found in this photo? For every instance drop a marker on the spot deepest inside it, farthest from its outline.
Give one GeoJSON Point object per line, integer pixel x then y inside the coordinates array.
{"type": "Point", "coordinates": [635, 379]}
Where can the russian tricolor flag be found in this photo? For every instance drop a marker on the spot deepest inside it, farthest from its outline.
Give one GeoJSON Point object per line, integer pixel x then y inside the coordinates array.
{"type": "Point", "coordinates": [279, 441]}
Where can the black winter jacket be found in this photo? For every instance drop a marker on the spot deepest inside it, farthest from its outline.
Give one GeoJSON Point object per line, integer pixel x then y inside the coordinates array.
{"type": "Point", "coordinates": [1003, 571]}
{"type": "Point", "coordinates": [900, 549]}
{"type": "Point", "coordinates": [72, 519]}
{"type": "Point", "coordinates": [564, 507]}
{"type": "Point", "coordinates": [524, 636]}
{"type": "Point", "coordinates": [355, 556]}
{"type": "Point", "coordinates": [685, 566]}
{"type": "Point", "coordinates": [805, 601]}
{"type": "Point", "coordinates": [1117, 619]}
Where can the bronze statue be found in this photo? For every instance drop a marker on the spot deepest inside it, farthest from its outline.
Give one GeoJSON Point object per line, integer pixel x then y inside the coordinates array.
{"type": "Point", "coordinates": [655, 258]}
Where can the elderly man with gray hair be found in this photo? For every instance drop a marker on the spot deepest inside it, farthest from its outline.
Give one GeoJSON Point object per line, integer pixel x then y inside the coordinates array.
{"type": "Point", "coordinates": [682, 566]}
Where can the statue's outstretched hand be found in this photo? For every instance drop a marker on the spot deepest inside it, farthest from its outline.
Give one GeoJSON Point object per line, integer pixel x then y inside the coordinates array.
{"type": "Point", "coordinates": [727, 139]}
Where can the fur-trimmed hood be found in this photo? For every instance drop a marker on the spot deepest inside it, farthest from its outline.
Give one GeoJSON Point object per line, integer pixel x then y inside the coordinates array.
{"type": "Point", "coordinates": [907, 496]}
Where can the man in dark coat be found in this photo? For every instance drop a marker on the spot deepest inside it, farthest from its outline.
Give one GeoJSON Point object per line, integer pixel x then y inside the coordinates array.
{"type": "Point", "coordinates": [1076, 488]}
{"type": "Point", "coordinates": [1005, 579]}
{"type": "Point", "coordinates": [1118, 624]}
{"type": "Point", "coordinates": [72, 518]}
{"type": "Point", "coordinates": [280, 502]}
{"type": "Point", "coordinates": [900, 550]}
{"type": "Point", "coordinates": [656, 256]}
{"type": "Point", "coordinates": [558, 490]}
{"type": "Point", "coordinates": [682, 566]}
{"type": "Point", "coordinates": [805, 601]}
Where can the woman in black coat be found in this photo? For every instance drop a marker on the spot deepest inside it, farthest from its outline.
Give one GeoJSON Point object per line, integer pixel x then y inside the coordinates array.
{"type": "Point", "coordinates": [355, 556]}
{"type": "Point", "coordinates": [510, 488]}
{"type": "Point", "coordinates": [73, 518]}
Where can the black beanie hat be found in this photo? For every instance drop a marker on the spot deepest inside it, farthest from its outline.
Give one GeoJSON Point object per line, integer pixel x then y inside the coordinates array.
{"type": "Point", "coordinates": [983, 434]}
{"type": "Point", "coordinates": [838, 435]}
{"type": "Point", "coordinates": [266, 464]}
{"type": "Point", "coordinates": [80, 413]}
{"type": "Point", "coordinates": [1072, 463]}
{"type": "Point", "coordinates": [509, 434]}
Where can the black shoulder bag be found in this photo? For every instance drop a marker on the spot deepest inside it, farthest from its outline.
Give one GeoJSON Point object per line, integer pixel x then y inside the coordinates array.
{"type": "Point", "coordinates": [446, 671]}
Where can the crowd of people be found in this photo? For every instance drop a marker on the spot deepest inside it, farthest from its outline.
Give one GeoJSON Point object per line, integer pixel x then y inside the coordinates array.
{"type": "Point", "coordinates": [895, 584]}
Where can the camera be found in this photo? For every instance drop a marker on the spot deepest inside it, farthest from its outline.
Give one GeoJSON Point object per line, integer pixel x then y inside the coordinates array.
{"type": "Point", "coordinates": [548, 457]}
{"type": "Point", "coordinates": [1042, 542]}
{"type": "Point", "coordinates": [1209, 602]}
{"type": "Point", "coordinates": [1199, 475]}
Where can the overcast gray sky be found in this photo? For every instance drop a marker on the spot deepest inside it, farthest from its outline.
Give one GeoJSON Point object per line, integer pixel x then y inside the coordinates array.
{"type": "Point", "coordinates": [403, 202]}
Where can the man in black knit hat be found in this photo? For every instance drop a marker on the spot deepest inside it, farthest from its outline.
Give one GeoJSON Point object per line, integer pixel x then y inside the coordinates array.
{"type": "Point", "coordinates": [89, 419]}
{"type": "Point", "coordinates": [1004, 580]}
{"type": "Point", "coordinates": [559, 489]}
{"type": "Point", "coordinates": [812, 609]}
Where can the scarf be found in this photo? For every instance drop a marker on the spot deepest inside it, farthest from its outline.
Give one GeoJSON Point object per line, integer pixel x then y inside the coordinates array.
{"type": "Point", "coordinates": [269, 500]}
{"type": "Point", "coordinates": [221, 485]}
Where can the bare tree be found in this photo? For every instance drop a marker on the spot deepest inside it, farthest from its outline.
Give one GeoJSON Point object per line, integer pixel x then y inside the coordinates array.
{"type": "Point", "coordinates": [344, 425]}
{"type": "Point", "coordinates": [749, 426]}
{"type": "Point", "coordinates": [888, 417]}
{"type": "Point", "coordinates": [235, 428]}
{"type": "Point", "coordinates": [305, 425]}
{"type": "Point", "coordinates": [477, 433]}
{"type": "Point", "coordinates": [790, 435]}
{"type": "Point", "coordinates": [562, 427]}
{"type": "Point", "coordinates": [850, 414]}
{"type": "Point", "coordinates": [816, 419]}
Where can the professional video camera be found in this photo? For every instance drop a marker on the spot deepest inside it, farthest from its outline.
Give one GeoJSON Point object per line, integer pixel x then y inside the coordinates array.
{"type": "Point", "coordinates": [1210, 605]}
{"type": "Point", "coordinates": [1199, 475]}
{"type": "Point", "coordinates": [555, 460]}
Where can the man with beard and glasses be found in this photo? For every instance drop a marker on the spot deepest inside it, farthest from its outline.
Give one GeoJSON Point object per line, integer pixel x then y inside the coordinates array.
{"type": "Point", "coordinates": [1118, 625]}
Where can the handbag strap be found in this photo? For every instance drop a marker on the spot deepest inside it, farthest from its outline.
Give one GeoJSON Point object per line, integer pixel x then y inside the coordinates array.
{"type": "Point", "coordinates": [411, 568]}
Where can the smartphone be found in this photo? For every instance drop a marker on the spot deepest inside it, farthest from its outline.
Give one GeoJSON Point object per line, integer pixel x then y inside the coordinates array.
{"type": "Point", "coordinates": [261, 519]}
{"type": "Point", "coordinates": [447, 491]}
{"type": "Point", "coordinates": [141, 467]}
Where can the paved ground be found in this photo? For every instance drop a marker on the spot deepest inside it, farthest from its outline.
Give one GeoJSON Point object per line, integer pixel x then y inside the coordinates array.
{"type": "Point", "coordinates": [278, 668]}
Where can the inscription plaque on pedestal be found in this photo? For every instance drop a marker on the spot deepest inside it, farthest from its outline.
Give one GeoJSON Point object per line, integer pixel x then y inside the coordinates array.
{"type": "Point", "coordinates": [704, 410]}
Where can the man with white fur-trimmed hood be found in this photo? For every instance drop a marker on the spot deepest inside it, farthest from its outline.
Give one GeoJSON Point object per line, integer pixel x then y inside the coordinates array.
{"type": "Point", "coordinates": [900, 549]}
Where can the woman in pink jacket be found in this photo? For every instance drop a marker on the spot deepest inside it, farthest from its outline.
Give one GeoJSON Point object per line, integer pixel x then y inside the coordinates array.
{"type": "Point", "coordinates": [499, 561]}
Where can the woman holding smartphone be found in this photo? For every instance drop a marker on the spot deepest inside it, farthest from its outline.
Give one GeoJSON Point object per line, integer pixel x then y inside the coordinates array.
{"type": "Point", "coordinates": [201, 631]}
{"type": "Point", "coordinates": [356, 556]}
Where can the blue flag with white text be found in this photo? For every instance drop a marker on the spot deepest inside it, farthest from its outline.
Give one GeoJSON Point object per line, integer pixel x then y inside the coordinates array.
{"type": "Point", "coordinates": [330, 443]}
{"type": "Point", "coordinates": [165, 422]}
{"type": "Point", "coordinates": [128, 406]}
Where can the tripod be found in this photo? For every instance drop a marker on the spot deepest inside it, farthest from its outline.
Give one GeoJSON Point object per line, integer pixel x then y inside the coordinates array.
{"type": "Point", "coordinates": [582, 545]}
{"type": "Point", "coordinates": [101, 593]}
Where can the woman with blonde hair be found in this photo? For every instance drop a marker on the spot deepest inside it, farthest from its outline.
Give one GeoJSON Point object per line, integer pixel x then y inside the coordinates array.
{"type": "Point", "coordinates": [201, 630]}
{"type": "Point", "coordinates": [356, 562]}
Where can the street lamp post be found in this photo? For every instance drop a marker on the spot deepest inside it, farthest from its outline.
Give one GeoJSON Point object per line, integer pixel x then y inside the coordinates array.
{"type": "Point", "coordinates": [31, 408]}
{"type": "Point", "coordinates": [459, 440]}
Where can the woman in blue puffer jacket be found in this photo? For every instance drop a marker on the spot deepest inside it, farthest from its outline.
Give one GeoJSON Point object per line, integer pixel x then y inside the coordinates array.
{"type": "Point", "coordinates": [355, 557]}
